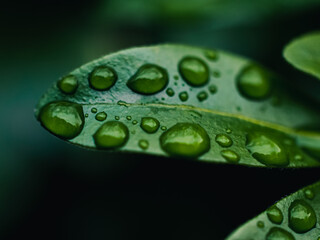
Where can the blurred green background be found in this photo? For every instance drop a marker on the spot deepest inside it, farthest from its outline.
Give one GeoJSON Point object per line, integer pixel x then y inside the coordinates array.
{"type": "Point", "coordinates": [52, 190]}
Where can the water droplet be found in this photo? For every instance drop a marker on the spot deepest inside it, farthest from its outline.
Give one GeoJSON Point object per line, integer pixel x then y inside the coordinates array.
{"type": "Point", "coordinates": [297, 157]}
{"type": "Point", "coordinates": [216, 74]}
{"type": "Point", "coordinates": [194, 71]}
{"type": "Point", "coordinates": [175, 83]}
{"type": "Point", "coordinates": [149, 124]}
{"type": "Point", "coordinates": [102, 78]}
{"type": "Point", "coordinates": [111, 135]}
{"type": "Point", "coordinates": [202, 96]}
{"type": "Point", "coordinates": [129, 118]}
{"type": "Point", "coordinates": [122, 103]}
{"type": "Point", "coordinates": [134, 122]}
{"type": "Point", "coordinates": [149, 79]}
{"type": "Point", "coordinates": [64, 119]}
{"type": "Point", "coordinates": [183, 96]}
{"type": "Point", "coordinates": [211, 55]}
{"type": "Point", "coordinates": [302, 217]}
{"type": "Point", "coordinates": [230, 156]}
{"type": "Point", "coordinates": [308, 193]}
{"type": "Point", "coordinates": [224, 140]}
{"type": "Point", "coordinates": [176, 77]}
{"type": "Point", "coordinates": [68, 84]}
{"type": "Point", "coordinates": [260, 224]}
{"type": "Point", "coordinates": [101, 116]}
{"type": "Point", "coordinates": [94, 110]}
{"type": "Point", "coordinates": [277, 233]}
{"type": "Point", "coordinates": [86, 115]}
{"type": "Point", "coordinates": [266, 150]}
{"type": "Point", "coordinates": [185, 139]}
{"type": "Point", "coordinates": [228, 131]}
{"type": "Point", "coordinates": [117, 118]}
{"type": "Point", "coordinates": [275, 215]}
{"type": "Point", "coordinates": [163, 128]}
{"type": "Point", "coordinates": [170, 92]}
{"type": "Point", "coordinates": [143, 144]}
{"type": "Point", "coordinates": [212, 89]}
{"type": "Point", "coordinates": [254, 83]}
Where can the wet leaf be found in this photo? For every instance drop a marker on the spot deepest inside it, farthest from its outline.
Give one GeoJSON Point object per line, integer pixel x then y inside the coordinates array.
{"type": "Point", "coordinates": [187, 102]}
{"type": "Point", "coordinates": [295, 217]}
{"type": "Point", "coordinates": [304, 53]}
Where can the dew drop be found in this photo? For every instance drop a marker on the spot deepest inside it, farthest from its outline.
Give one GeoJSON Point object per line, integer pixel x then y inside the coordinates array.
{"type": "Point", "coordinates": [230, 156]}
{"type": "Point", "coordinates": [149, 124]}
{"type": "Point", "coordinates": [64, 119]}
{"type": "Point", "coordinates": [143, 144]}
{"type": "Point", "coordinates": [86, 115]}
{"type": "Point", "coordinates": [260, 224]}
{"type": "Point", "coordinates": [308, 193]}
{"type": "Point", "coordinates": [216, 73]}
{"type": "Point", "coordinates": [254, 83]}
{"type": "Point", "coordinates": [129, 118]}
{"type": "Point", "coordinates": [163, 128]}
{"type": "Point", "coordinates": [297, 157]}
{"type": "Point", "coordinates": [224, 140]}
{"type": "Point", "coordinates": [170, 92]}
{"type": "Point", "coordinates": [194, 71]}
{"type": "Point", "coordinates": [111, 135]}
{"type": "Point", "coordinates": [228, 131]}
{"type": "Point", "coordinates": [185, 139]}
{"type": "Point", "coordinates": [134, 122]}
{"type": "Point", "coordinates": [212, 89]}
{"type": "Point", "coordinates": [211, 55]}
{"type": "Point", "coordinates": [302, 217]}
{"type": "Point", "coordinates": [102, 78]}
{"type": "Point", "coordinates": [117, 118]}
{"type": "Point", "coordinates": [277, 233]}
{"type": "Point", "coordinates": [68, 84]}
{"type": "Point", "coordinates": [183, 96]}
{"type": "Point", "coordinates": [266, 150]}
{"type": "Point", "coordinates": [275, 215]}
{"type": "Point", "coordinates": [101, 116]}
{"type": "Point", "coordinates": [202, 96]}
{"type": "Point", "coordinates": [176, 77]}
{"type": "Point", "coordinates": [94, 110]}
{"type": "Point", "coordinates": [149, 79]}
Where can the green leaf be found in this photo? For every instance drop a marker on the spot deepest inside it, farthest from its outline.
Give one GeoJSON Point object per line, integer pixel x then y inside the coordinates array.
{"type": "Point", "coordinates": [182, 101]}
{"type": "Point", "coordinates": [304, 53]}
{"type": "Point", "coordinates": [294, 217]}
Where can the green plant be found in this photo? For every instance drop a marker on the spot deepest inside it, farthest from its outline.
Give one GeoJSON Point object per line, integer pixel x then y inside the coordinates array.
{"type": "Point", "coordinates": [198, 104]}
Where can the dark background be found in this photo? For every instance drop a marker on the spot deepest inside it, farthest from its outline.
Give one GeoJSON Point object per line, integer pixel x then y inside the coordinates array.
{"type": "Point", "coordinates": [52, 190]}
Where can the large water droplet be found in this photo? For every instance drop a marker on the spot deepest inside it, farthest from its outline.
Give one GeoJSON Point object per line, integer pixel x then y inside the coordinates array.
{"type": "Point", "coordinates": [277, 233]}
{"type": "Point", "coordinates": [183, 96]}
{"type": "Point", "coordinates": [275, 215]}
{"type": "Point", "coordinates": [254, 83]}
{"type": "Point", "coordinates": [68, 84]}
{"type": "Point", "coordinates": [230, 156]}
{"type": "Point", "coordinates": [202, 96]}
{"type": "Point", "coordinates": [102, 78]}
{"type": "Point", "coordinates": [224, 140]}
{"type": "Point", "coordinates": [185, 139]}
{"type": "Point", "coordinates": [149, 124]}
{"type": "Point", "coordinates": [101, 116]}
{"type": "Point", "coordinates": [266, 150]}
{"type": "Point", "coordinates": [111, 135]}
{"type": "Point", "coordinates": [194, 71]}
{"type": "Point", "coordinates": [302, 217]}
{"type": "Point", "coordinates": [64, 119]}
{"type": "Point", "coordinates": [149, 79]}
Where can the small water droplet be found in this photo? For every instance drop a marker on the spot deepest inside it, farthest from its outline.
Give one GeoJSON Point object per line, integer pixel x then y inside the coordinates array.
{"type": "Point", "coordinates": [163, 128]}
{"type": "Point", "coordinates": [68, 84]}
{"type": "Point", "coordinates": [211, 55]}
{"type": "Point", "coordinates": [185, 139]}
{"type": "Point", "coordinates": [64, 119]}
{"type": "Point", "coordinates": [86, 115]}
{"type": "Point", "coordinates": [212, 89]}
{"type": "Point", "coordinates": [230, 156]}
{"type": "Point", "coordinates": [254, 83]}
{"type": "Point", "coordinates": [216, 74]}
{"type": "Point", "coordinates": [224, 140]}
{"type": "Point", "coordinates": [183, 96]}
{"type": "Point", "coordinates": [260, 224]}
{"type": "Point", "coordinates": [277, 233]}
{"type": "Point", "coordinates": [143, 144]}
{"type": "Point", "coordinates": [122, 103]}
{"type": "Point", "coordinates": [228, 131]}
{"type": "Point", "coordinates": [266, 150]}
{"type": "Point", "coordinates": [302, 217]}
{"type": "Point", "coordinates": [102, 78]}
{"type": "Point", "coordinates": [101, 116]}
{"type": "Point", "coordinates": [275, 215]}
{"type": "Point", "coordinates": [194, 71]}
{"type": "Point", "coordinates": [117, 118]}
{"type": "Point", "coordinates": [170, 92]}
{"type": "Point", "coordinates": [149, 79]}
{"type": "Point", "coordinates": [149, 124]}
{"type": "Point", "coordinates": [202, 96]}
{"type": "Point", "coordinates": [176, 77]}
{"type": "Point", "coordinates": [111, 135]}
{"type": "Point", "coordinates": [134, 122]}
{"type": "Point", "coordinates": [94, 110]}
{"type": "Point", "coordinates": [175, 83]}
{"type": "Point", "coordinates": [297, 157]}
{"type": "Point", "coordinates": [308, 193]}
{"type": "Point", "coordinates": [129, 118]}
